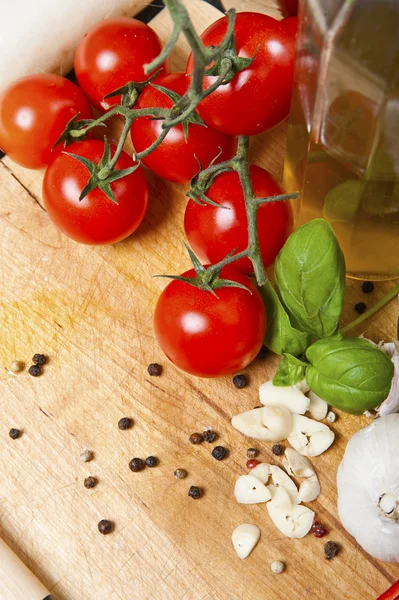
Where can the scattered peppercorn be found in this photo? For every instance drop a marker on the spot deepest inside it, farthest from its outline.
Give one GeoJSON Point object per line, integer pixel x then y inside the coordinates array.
{"type": "Point", "coordinates": [209, 436]}
{"type": "Point", "coordinates": [252, 463]}
{"type": "Point", "coordinates": [360, 307]}
{"type": "Point", "coordinates": [35, 371]}
{"type": "Point", "coordinates": [263, 352]}
{"type": "Point", "coordinates": [195, 492]}
{"type": "Point", "coordinates": [105, 526]}
{"type": "Point", "coordinates": [252, 452]}
{"type": "Point", "coordinates": [151, 461]}
{"type": "Point", "coordinates": [330, 550]}
{"type": "Point", "coordinates": [39, 359]}
{"type": "Point", "coordinates": [14, 433]}
{"type": "Point", "coordinates": [90, 482]}
{"type": "Point", "coordinates": [154, 369]}
{"type": "Point", "coordinates": [368, 287]}
{"type": "Point", "coordinates": [278, 449]}
{"type": "Point", "coordinates": [196, 438]}
{"type": "Point", "coordinates": [319, 530]}
{"type": "Point", "coordinates": [277, 566]}
{"type": "Point", "coordinates": [136, 464]}
{"type": "Point", "coordinates": [16, 366]}
{"type": "Point", "coordinates": [86, 455]}
{"type": "Point", "coordinates": [219, 452]}
{"type": "Point", "coordinates": [240, 381]}
{"type": "Point", "coordinates": [125, 423]}
{"type": "Point", "coordinates": [180, 473]}
{"type": "Point", "coordinates": [331, 417]}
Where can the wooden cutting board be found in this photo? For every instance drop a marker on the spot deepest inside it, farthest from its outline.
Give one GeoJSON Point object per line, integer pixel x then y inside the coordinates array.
{"type": "Point", "coordinates": [90, 310]}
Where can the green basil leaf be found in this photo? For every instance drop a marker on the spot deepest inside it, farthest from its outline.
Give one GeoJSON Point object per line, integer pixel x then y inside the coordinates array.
{"type": "Point", "coordinates": [342, 201]}
{"type": "Point", "coordinates": [289, 371]}
{"type": "Point", "coordinates": [310, 278]}
{"type": "Point", "coordinates": [350, 374]}
{"type": "Point", "coordinates": [281, 337]}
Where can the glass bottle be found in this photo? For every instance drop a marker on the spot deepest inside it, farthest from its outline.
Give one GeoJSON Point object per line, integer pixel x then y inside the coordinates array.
{"type": "Point", "coordinates": [343, 134]}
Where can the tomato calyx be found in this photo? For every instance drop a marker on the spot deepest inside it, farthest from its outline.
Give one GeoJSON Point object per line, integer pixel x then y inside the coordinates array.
{"type": "Point", "coordinates": [131, 90]}
{"type": "Point", "coordinates": [103, 173]}
{"type": "Point", "coordinates": [229, 56]}
{"type": "Point", "coordinates": [202, 181]}
{"type": "Point", "coordinates": [207, 278]}
{"type": "Point", "coordinates": [75, 130]}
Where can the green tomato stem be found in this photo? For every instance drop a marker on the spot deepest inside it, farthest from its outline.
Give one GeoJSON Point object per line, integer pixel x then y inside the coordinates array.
{"type": "Point", "coordinates": [371, 311]}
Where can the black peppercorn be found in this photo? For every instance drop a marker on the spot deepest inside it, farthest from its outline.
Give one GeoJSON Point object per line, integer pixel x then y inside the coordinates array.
{"type": "Point", "coordinates": [151, 461]}
{"type": "Point", "coordinates": [154, 370]}
{"type": "Point", "coordinates": [35, 371]}
{"type": "Point", "coordinates": [125, 423]}
{"type": "Point", "coordinates": [360, 307]}
{"type": "Point", "coordinates": [196, 438]}
{"type": "Point", "coordinates": [209, 436]}
{"type": "Point", "coordinates": [195, 492]}
{"type": "Point", "coordinates": [368, 287]}
{"type": "Point", "coordinates": [240, 381]}
{"type": "Point", "coordinates": [39, 359]}
{"type": "Point", "coordinates": [136, 464]}
{"type": "Point", "coordinates": [330, 550]}
{"type": "Point", "coordinates": [263, 352]}
{"type": "Point", "coordinates": [90, 482]}
{"type": "Point", "coordinates": [219, 452]}
{"type": "Point", "coordinates": [278, 449]}
{"type": "Point", "coordinates": [14, 433]}
{"type": "Point", "coordinates": [105, 526]}
{"type": "Point", "coordinates": [252, 453]}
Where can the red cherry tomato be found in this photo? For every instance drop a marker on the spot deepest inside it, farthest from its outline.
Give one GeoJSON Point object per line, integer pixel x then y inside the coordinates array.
{"type": "Point", "coordinates": [176, 159]}
{"type": "Point", "coordinates": [259, 96]}
{"type": "Point", "coordinates": [210, 335]}
{"type": "Point", "coordinates": [33, 113]}
{"type": "Point", "coordinates": [214, 232]}
{"type": "Point", "coordinates": [95, 219]}
{"type": "Point", "coordinates": [290, 24]}
{"type": "Point", "coordinates": [113, 53]}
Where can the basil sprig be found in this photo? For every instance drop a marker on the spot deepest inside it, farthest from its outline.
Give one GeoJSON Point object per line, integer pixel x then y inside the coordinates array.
{"type": "Point", "coordinates": [349, 373]}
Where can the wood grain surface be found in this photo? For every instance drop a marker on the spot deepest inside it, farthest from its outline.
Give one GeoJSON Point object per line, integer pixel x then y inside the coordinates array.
{"type": "Point", "coordinates": [90, 310]}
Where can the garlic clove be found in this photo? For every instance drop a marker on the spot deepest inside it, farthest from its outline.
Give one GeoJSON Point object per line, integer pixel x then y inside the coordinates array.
{"type": "Point", "coordinates": [278, 420]}
{"type": "Point", "coordinates": [296, 464]}
{"type": "Point", "coordinates": [294, 521]}
{"type": "Point", "coordinates": [244, 538]}
{"type": "Point", "coordinates": [302, 386]}
{"type": "Point", "coordinates": [318, 407]}
{"type": "Point", "coordinates": [289, 396]}
{"type": "Point", "coordinates": [249, 490]}
{"type": "Point", "coordinates": [309, 489]}
{"type": "Point", "coordinates": [280, 497]}
{"type": "Point", "coordinates": [309, 437]}
{"type": "Point", "coordinates": [271, 423]}
{"type": "Point", "coordinates": [264, 472]}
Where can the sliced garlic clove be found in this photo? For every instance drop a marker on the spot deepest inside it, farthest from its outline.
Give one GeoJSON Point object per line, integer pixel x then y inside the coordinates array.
{"type": "Point", "coordinates": [264, 472]}
{"type": "Point", "coordinates": [318, 407]}
{"type": "Point", "coordinates": [268, 423]}
{"type": "Point", "coordinates": [302, 386]}
{"type": "Point", "coordinates": [294, 521]}
{"type": "Point", "coordinates": [289, 396]}
{"type": "Point", "coordinates": [278, 421]}
{"type": "Point", "coordinates": [244, 538]}
{"type": "Point", "coordinates": [250, 423]}
{"type": "Point", "coordinates": [296, 464]}
{"type": "Point", "coordinates": [249, 490]}
{"type": "Point", "coordinates": [309, 489]}
{"type": "Point", "coordinates": [310, 437]}
{"type": "Point", "coordinates": [280, 497]}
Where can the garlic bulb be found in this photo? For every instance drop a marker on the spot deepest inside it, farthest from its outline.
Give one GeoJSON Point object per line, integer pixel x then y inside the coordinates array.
{"type": "Point", "coordinates": [368, 488]}
{"type": "Point", "coordinates": [391, 403]}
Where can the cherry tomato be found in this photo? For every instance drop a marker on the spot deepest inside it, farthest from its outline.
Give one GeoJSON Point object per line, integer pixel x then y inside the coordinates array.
{"type": "Point", "coordinates": [33, 113]}
{"type": "Point", "coordinates": [258, 97]}
{"type": "Point", "coordinates": [95, 219]}
{"type": "Point", "coordinates": [288, 8]}
{"type": "Point", "coordinates": [113, 53]}
{"type": "Point", "coordinates": [214, 232]}
{"type": "Point", "coordinates": [210, 335]}
{"type": "Point", "coordinates": [175, 159]}
{"type": "Point", "coordinates": [290, 24]}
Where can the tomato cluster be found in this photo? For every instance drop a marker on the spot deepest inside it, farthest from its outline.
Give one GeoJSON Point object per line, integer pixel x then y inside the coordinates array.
{"type": "Point", "coordinates": [203, 333]}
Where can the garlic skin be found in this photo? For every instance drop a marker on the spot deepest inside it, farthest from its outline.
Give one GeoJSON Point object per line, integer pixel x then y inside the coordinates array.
{"type": "Point", "coordinates": [368, 488]}
{"type": "Point", "coordinates": [391, 403]}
